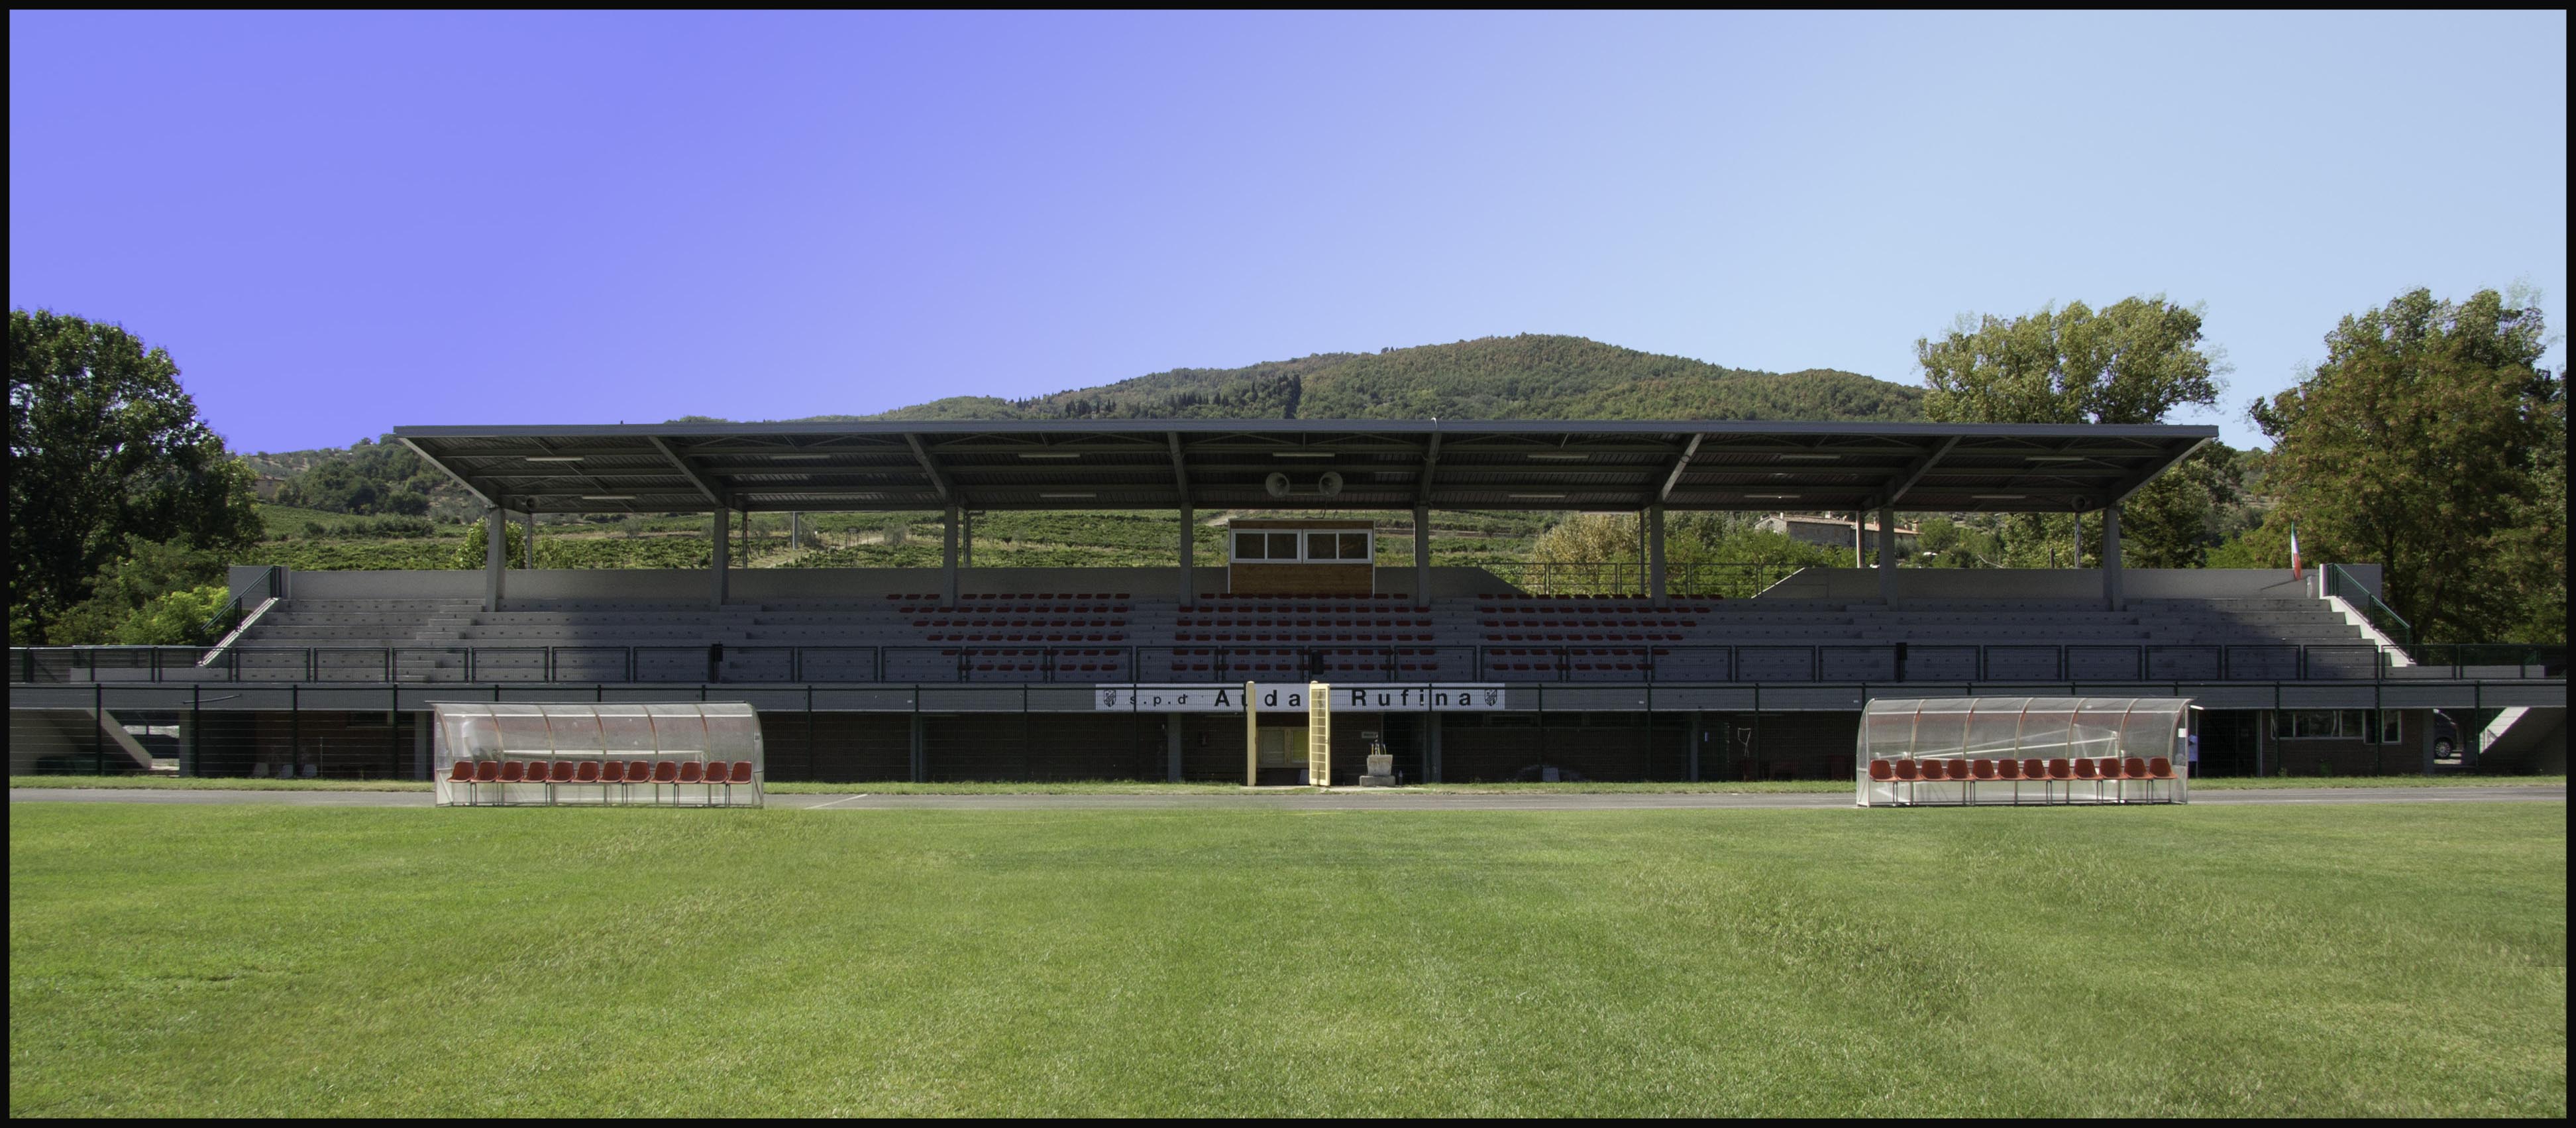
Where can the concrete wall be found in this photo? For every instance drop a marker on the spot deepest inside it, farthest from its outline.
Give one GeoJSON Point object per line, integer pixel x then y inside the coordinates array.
{"type": "Point", "coordinates": [754, 585]}
{"type": "Point", "coordinates": [1859, 584]}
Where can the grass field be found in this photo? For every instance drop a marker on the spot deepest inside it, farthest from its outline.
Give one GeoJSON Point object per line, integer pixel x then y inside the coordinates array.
{"type": "Point", "coordinates": [2383, 960]}
{"type": "Point", "coordinates": [1134, 787]}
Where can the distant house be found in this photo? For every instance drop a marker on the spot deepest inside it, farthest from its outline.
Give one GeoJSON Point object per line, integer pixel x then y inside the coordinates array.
{"type": "Point", "coordinates": [1833, 532]}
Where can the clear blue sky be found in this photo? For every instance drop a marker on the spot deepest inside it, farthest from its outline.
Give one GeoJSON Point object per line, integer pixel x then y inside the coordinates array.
{"type": "Point", "coordinates": [342, 223]}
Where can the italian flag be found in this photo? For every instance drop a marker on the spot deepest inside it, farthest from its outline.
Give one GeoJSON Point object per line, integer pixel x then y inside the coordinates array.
{"type": "Point", "coordinates": [2294, 549]}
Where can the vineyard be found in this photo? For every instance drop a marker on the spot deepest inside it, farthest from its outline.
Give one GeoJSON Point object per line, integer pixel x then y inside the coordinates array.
{"type": "Point", "coordinates": [312, 540]}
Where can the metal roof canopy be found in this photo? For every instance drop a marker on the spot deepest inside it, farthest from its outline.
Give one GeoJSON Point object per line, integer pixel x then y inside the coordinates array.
{"type": "Point", "coordinates": [1384, 464]}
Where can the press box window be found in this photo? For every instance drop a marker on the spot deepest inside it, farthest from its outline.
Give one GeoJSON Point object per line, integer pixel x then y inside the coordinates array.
{"type": "Point", "coordinates": [1337, 546]}
{"type": "Point", "coordinates": [1265, 546]}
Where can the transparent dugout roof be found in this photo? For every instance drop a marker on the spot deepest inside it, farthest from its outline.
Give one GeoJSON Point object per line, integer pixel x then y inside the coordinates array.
{"type": "Point", "coordinates": [624, 731]}
{"type": "Point", "coordinates": [2036, 727]}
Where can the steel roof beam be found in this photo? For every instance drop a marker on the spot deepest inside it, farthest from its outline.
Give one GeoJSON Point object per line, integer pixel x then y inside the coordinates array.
{"type": "Point", "coordinates": [938, 479]}
{"type": "Point", "coordinates": [1681, 466]}
{"type": "Point", "coordinates": [705, 486]}
{"type": "Point", "coordinates": [450, 471]}
{"type": "Point", "coordinates": [1915, 473]}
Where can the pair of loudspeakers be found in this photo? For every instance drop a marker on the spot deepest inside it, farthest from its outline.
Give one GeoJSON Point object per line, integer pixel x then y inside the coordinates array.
{"type": "Point", "coordinates": [1326, 486]}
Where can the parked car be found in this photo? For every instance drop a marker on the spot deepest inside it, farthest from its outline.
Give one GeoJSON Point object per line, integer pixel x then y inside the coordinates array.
{"type": "Point", "coordinates": [2446, 737]}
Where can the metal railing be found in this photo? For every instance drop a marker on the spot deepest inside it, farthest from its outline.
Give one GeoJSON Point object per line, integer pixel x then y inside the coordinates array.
{"type": "Point", "coordinates": [1534, 662]}
{"type": "Point", "coordinates": [1734, 581]}
{"type": "Point", "coordinates": [2340, 584]}
{"type": "Point", "coordinates": [268, 586]}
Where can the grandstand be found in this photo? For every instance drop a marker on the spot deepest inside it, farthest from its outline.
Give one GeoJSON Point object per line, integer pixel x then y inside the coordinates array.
{"type": "Point", "coordinates": [966, 673]}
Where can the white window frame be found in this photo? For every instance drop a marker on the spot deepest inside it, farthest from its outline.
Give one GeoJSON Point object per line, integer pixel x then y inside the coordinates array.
{"type": "Point", "coordinates": [1337, 534]}
{"type": "Point", "coordinates": [1234, 556]}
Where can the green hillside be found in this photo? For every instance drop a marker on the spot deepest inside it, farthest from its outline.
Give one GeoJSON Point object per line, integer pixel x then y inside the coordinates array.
{"type": "Point", "coordinates": [374, 505]}
{"type": "Point", "coordinates": [1531, 376]}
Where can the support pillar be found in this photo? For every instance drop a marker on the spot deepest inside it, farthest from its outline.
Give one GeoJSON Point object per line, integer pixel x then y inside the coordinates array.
{"type": "Point", "coordinates": [1655, 554]}
{"type": "Point", "coordinates": [795, 531]}
{"type": "Point", "coordinates": [2111, 586]}
{"type": "Point", "coordinates": [965, 538]}
{"type": "Point", "coordinates": [1887, 557]}
{"type": "Point", "coordinates": [1860, 542]}
{"type": "Point", "coordinates": [1431, 747]}
{"type": "Point", "coordinates": [1172, 747]}
{"type": "Point", "coordinates": [496, 550]}
{"type": "Point", "coordinates": [948, 556]}
{"type": "Point", "coordinates": [1189, 545]}
{"type": "Point", "coordinates": [1251, 737]}
{"type": "Point", "coordinates": [528, 542]}
{"type": "Point", "coordinates": [1422, 556]}
{"type": "Point", "coordinates": [720, 558]}
{"type": "Point", "coordinates": [920, 745]}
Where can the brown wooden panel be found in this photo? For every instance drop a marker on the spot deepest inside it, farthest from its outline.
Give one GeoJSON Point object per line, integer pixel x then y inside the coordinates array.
{"type": "Point", "coordinates": [1356, 578]}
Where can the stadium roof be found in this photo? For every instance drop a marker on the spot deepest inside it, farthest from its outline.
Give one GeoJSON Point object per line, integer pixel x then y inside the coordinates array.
{"type": "Point", "coordinates": [1382, 464]}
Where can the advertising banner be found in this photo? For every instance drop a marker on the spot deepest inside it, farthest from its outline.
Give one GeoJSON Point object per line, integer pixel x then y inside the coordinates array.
{"type": "Point", "coordinates": [1268, 697]}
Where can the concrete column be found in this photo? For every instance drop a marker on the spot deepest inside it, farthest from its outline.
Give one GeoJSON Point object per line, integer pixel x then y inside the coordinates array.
{"type": "Point", "coordinates": [948, 555]}
{"type": "Point", "coordinates": [1251, 737]}
{"type": "Point", "coordinates": [965, 538]}
{"type": "Point", "coordinates": [528, 542]}
{"type": "Point", "coordinates": [1655, 554]}
{"type": "Point", "coordinates": [795, 531]}
{"type": "Point", "coordinates": [496, 550]}
{"type": "Point", "coordinates": [720, 558]}
{"type": "Point", "coordinates": [1172, 747]}
{"type": "Point", "coordinates": [1860, 542]}
{"type": "Point", "coordinates": [1189, 546]}
{"type": "Point", "coordinates": [1422, 555]}
{"type": "Point", "coordinates": [1887, 556]}
{"type": "Point", "coordinates": [2111, 593]}
{"type": "Point", "coordinates": [1431, 747]}
{"type": "Point", "coordinates": [920, 750]}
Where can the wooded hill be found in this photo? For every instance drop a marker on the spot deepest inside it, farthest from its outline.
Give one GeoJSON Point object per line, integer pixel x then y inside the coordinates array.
{"type": "Point", "coordinates": [1531, 376]}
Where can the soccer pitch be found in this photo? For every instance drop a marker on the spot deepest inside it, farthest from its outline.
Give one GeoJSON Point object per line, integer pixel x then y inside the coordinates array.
{"type": "Point", "coordinates": [2362, 960]}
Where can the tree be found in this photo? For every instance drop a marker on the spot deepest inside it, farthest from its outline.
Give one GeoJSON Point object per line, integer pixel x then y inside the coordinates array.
{"type": "Point", "coordinates": [2430, 441]}
{"type": "Point", "coordinates": [104, 447]}
{"type": "Point", "coordinates": [174, 618]}
{"type": "Point", "coordinates": [2131, 363]}
{"type": "Point", "coordinates": [470, 555]}
{"type": "Point", "coordinates": [128, 584]}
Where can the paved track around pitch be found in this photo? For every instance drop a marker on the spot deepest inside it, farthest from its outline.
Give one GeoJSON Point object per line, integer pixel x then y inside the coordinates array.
{"type": "Point", "coordinates": [1284, 800]}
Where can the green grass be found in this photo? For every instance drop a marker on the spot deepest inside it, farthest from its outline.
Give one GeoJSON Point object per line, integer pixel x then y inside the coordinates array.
{"type": "Point", "coordinates": [2405, 960]}
{"type": "Point", "coordinates": [1135, 787]}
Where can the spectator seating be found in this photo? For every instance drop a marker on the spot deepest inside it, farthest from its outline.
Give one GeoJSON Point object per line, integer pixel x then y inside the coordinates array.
{"type": "Point", "coordinates": [2084, 780]}
{"type": "Point", "coordinates": [1093, 637]}
{"type": "Point", "coordinates": [596, 782]}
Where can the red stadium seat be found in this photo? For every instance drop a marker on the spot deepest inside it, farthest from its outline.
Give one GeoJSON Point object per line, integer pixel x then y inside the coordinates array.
{"type": "Point", "coordinates": [462, 772]}
{"type": "Point", "coordinates": [586, 771]}
{"type": "Point", "coordinates": [514, 771]}
{"type": "Point", "coordinates": [487, 771]}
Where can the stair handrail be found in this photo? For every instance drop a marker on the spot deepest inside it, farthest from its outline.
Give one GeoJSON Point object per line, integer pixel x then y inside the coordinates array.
{"type": "Point", "coordinates": [228, 615]}
{"type": "Point", "coordinates": [2341, 585]}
